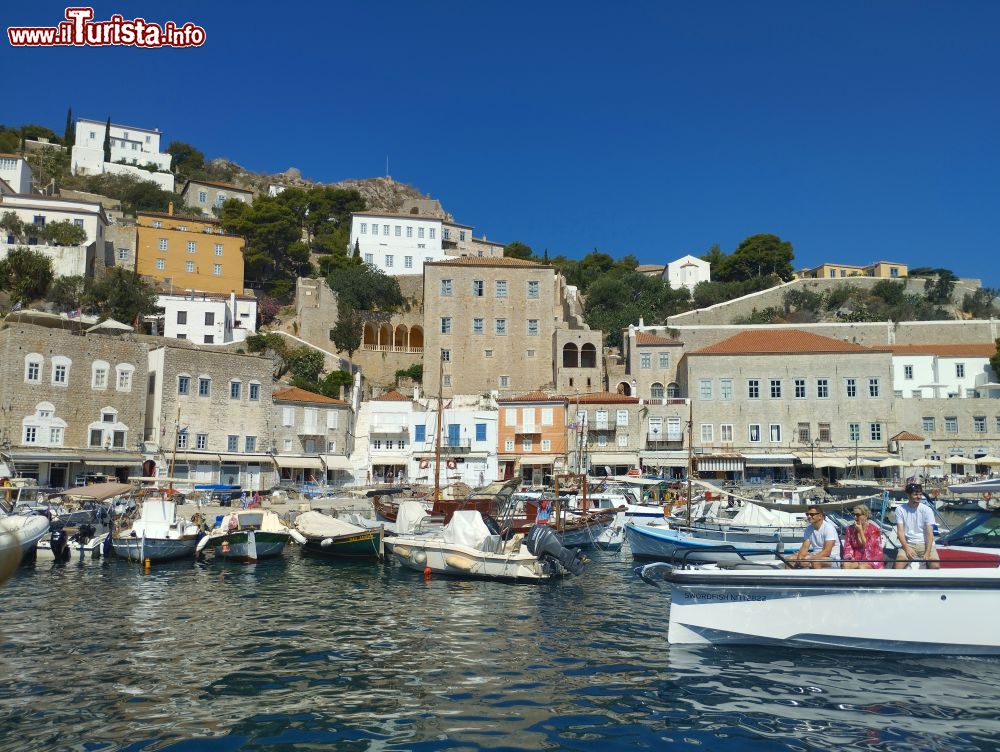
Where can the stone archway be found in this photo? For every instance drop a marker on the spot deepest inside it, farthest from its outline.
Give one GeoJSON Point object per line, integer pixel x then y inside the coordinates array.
{"type": "Point", "coordinates": [416, 338]}
{"type": "Point", "coordinates": [399, 338]}
{"type": "Point", "coordinates": [588, 356]}
{"type": "Point", "coordinates": [624, 388]}
{"type": "Point", "coordinates": [369, 339]}
{"type": "Point", "coordinates": [570, 355]}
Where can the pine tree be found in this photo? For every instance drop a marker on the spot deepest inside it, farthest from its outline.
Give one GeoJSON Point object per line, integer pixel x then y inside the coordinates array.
{"type": "Point", "coordinates": [107, 141]}
{"type": "Point", "coordinates": [68, 135]}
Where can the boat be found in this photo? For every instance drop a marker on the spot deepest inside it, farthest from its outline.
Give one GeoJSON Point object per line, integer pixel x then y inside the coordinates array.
{"type": "Point", "coordinates": [79, 524]}
{"type": "Point", "coordinates": [896, 610]}
{"type": "Point", "coordinates": [247, 536]}
{"type": "Point", "coordinates": [329, 536]}
{"type": "Point", "coordinates": [27, 530]}
{"type": "Point", "coordinates": [466, 547]}
{"type": "Point", "coordinates": [973, 543]}
{"type": "Point", "coordinates": [86, 541]}
{"type": "Point", "coordinates": [157, 535]}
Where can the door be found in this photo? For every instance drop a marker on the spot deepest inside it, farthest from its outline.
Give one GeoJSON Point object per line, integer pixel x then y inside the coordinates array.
{"type": "Point", "coordinates": [57, 476]}
{"type": "Point", "coordinates": [453, 434]}
{"type": "Point", "coordinates": [253, 477]}
{"type": "Point", "coordinates": [229, 475]}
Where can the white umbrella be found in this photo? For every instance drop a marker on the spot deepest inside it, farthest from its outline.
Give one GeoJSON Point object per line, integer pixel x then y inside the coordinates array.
{"type": "Point", "coordinates": [891, 462]}
{"type": "Point", "coordinates": [822, 462]}
{"type": "Point", "coordinates": [110, 325]}
{"type": "Point", "coordinates": [924, 462]}
{"type": "Point", "coordinates": [862, 462]}
{"type": "Point", "coordinates": [988, 459]}
{"type": "Point", "coordinates": [956, 460]}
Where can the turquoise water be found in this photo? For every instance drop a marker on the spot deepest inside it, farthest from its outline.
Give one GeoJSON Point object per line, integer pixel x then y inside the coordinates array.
{"type": "Point", "coordinates": [306, 654]}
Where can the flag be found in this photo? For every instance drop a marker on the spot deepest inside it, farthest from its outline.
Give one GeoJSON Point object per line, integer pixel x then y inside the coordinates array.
{"type": "Point", "coordinates": [75, 313]}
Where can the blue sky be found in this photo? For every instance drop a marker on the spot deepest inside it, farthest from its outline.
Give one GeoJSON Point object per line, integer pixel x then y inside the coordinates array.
{"type": "Point", "coordinates": [856, 130]}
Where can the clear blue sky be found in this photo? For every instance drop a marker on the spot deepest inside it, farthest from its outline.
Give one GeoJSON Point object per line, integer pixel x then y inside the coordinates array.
{"type": "Point", "coordinates": [856, 130]}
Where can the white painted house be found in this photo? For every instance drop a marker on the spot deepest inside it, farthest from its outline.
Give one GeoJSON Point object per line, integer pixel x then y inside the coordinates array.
{"type": "Point", "coordinates": [208, 319]}
{"type": "Point", "coordinates": [14, 171]}
{"type": "Point", "coordinates": [132, 149]}
{"type": "Point", "coordinates": [942, 370]}
{"type": "Point", "coordinates": [687, 271]}
{"type": "Point", "coordinates": [468, 445]}
{"type": "Point", "coordinates": [37, 210]}
{"type": "Point", "coordinates": [397, 244]}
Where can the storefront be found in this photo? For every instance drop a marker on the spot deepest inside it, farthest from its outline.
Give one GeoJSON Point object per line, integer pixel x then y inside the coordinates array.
{"type": "Point", "coordinates": [612, 463]}
{"type": "Point", "coordinates": [723, 467]}
{"type": "Point", "coordinates": [769, 468]}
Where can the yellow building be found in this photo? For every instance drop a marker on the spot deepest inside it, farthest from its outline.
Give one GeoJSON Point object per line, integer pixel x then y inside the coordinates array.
{"type": "Point", "coordinates": [880, 269]}
{"type": "Point", "coordinates": [188, 253]}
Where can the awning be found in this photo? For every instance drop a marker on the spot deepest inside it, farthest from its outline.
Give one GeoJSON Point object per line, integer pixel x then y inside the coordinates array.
{"type": "Point", "coordinates": [537, 459]}
{"type": "Point", "coordinates": [251, 459]}
{"type": "Point", "coordinates": [44, 457]}
{"type": "Point", "coordinates": [336, 462]}
{"type": "Point", "coordinates": [770, 460]}
{"type": "Point", "coordinates": [287, 460]}
{"type": "Point", "coordinates": [665, 459]}
{"type": "Point", "coordinates": [613, 458]}
{"type": "Point", "coordinates": [114, 460]}
{"type": "Point", "coordinates": [720, 464]}
{"type": "Point", "coordinates": [388, 459]}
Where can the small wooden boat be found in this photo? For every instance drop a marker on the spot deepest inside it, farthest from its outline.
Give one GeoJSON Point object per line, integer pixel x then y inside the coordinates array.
{"type": "Point", "coordinates": [335, 538]}
{"type": "Point", "coordinates": [247, 536]}
{"type": "Point", "coordinates": [158, 534]}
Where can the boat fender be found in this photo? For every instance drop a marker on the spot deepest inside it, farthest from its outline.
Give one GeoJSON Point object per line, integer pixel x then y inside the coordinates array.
{"type": "Point", "coordinates": [326, 542]}
{"type": "Point", "coordinates": [452, 464]}
{"type": "Point", "coordinates": [297, 537]}
{"type": "Point", "coordinates": [401, 551]}
{"type": "Point", "coordinates": [423, 464]}
{"type": "Point", "coordinates": [201, 545]}
{"type": "Point", "coordinates": [419, 557]}
{"type": "Point", "coordinates": [459, 562]}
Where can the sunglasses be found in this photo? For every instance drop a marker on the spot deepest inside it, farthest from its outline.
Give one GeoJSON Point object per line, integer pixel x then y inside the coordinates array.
{"type": "Point", "coordinates": [860, 514]}
{"type": "Point", "coordinates": [812, 514]}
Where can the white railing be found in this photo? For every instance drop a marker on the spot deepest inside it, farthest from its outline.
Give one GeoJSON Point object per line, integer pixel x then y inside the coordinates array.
{"type": "Point", "coordinates": [392, 348]}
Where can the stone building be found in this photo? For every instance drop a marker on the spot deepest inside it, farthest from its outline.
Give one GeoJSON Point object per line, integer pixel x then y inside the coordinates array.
{"type": "Point", "coordinates": [71, 403]}
{"type": "Point", "coordinates": [505, 325]}
{"type": "Point", "coordinates": [651, 363]}
{"type": "Point", "coordinates": [209, 195]}
{"type": "Point", "coordinates": [209, 416]}
{"type": "Point", "coordinates": [310, 437]}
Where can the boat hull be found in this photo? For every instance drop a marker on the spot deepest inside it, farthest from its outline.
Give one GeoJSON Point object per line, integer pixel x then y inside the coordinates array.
{"type": "Point", "coordinates": [237, 546]}
{"type": "Point", "coordinates": [902, 611]}
{"type": "Point", "coordinates": [89, 550]}
{"type": "Point", "coordinates": [364, 545]}
{"type": "Point", "coordinates": [456, 560]}
{"type": "Point", "coordinates": [666, 544]}
{"type": "Point", "coordinates": [155, 549]}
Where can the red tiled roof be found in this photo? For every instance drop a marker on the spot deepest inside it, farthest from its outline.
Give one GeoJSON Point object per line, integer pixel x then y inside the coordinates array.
{"type": "Point", "coordinates": [645, 338]}
{"type": "Point", "coordinates": [488, 261]}
{"type": "Point", "coordinates": [603, 398]}
{"type": "Point", "coordinates": [773, 341]}
{"type": "Point", "coordinates": [533, 397]}
{"type": "Point", "coordinates": [907, 436]}
{"type": "Point", "coordinates": [974, 350]}
{"type": "Point", "coordinates": [391, 396]}
{"type": "Point", "coordinates": [294, 394]}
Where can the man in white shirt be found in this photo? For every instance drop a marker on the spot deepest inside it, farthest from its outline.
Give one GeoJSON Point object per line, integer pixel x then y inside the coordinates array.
{"type": "Point", "coordinates": [915, 528]}
{"type": "Point", "coordinates": [820, 543]}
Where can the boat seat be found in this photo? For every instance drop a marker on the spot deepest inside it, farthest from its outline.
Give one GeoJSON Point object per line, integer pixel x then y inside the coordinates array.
{"type": "Point", "coordinates": [514, 544]}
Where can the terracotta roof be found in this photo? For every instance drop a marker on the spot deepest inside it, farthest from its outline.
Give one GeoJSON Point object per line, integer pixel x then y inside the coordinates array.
{"type": "Point", "coordinates": [488, 261]}
{"type": "Point", "coordinates": [533, 397]}
{"type": "Point", "coordinates": [402, 215]}
{"type": "Point", "coordinates": [391, 396]}
{"type": "Point", "coordinates": [907, 436]}
{"type": "Point", "coordinates": [188, 217]}
{"type": "Point", "coordinates": [216, 184]}
{"type": "Point", "coordinates": [645, 338]}
{"type": "Point", "coordinates": [603, 398]}
{"type": "Point", "coordinates": [975, 350]}
{"type": "Point", "coordinates": [294, 394]}
{"type": "Point", "coordinates": [10, 156]}
{"type": "Point", "coordinates": [772, 341]}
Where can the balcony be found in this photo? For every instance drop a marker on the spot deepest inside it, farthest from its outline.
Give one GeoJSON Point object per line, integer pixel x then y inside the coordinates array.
{"type": "Point", "coordinates": [392, 348]}
{"type": "Point", "coordinates": [456, 446]}
{"type": "Point", "coordinates": [527, 428]}
{"type": "Point", "coordinates": [604, 425]}
{"type": "Point", "coordinates": [310, 430]}
{"type": "Point", "coordinates": [675, 435]}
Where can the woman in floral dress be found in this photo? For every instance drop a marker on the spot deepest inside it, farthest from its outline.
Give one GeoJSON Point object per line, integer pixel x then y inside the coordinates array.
{"type": "Point", "coordinates": [863, 542]}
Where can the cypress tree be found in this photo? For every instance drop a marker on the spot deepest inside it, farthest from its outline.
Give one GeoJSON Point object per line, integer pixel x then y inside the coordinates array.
{"type": "Point", "coordinates": [68, 135]}
{"type": "Point", "coordinates": [107, 141]}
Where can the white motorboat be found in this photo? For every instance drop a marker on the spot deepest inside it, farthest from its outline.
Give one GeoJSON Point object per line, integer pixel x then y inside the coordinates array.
{"type": "Point", "coordinates": [84, 542]}
{"type": "Point", "coordinates": [27, 530]}
{"type": "Point", "coordinates": [158, 534]}
{"type": "Point", "coordinates": [922, 611]}
{"type": "Point", "coordinates": [465, 547]}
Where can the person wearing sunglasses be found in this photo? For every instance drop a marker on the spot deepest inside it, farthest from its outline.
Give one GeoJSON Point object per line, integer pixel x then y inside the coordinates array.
{"type": "Point", "coordinates": [820, 543]}
{"type": "Point", "coordinates": [863, 542]}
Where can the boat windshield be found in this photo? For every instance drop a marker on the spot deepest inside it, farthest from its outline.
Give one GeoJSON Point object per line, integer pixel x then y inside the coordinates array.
{"type": "Point", "coordinates": [979, 530]}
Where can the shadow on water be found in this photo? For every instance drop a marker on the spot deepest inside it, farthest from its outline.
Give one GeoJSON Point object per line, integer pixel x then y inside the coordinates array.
{"type": "Point", "coordinates": [304, 653]}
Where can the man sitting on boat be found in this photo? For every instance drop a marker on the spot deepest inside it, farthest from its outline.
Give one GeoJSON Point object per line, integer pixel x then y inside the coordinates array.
{"type": "Point", "coordinates": [915, 527]}
{"type": "Point", "coordinates": [820, 543]}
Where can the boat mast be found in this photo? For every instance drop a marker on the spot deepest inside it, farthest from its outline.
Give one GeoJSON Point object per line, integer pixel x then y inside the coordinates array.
{"type": "Point", "coordinates": [173, 457]}
{"type": "Point", "coordinates": [690, 467]}
{"type": "Point", "coordinates": [437, 435]}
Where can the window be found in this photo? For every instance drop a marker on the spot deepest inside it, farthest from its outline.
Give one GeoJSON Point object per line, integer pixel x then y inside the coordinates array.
{"type": "Point", "coordinates": [979, 424]}
{"type": "Point", "coordinates": [705, 389]}
{"type": "Point", "coordinates": [875, 431]}
{"type": "Point", "coordinates": [399, 230]}
{"type": "Point", "coordinates": [504, 382]}
{"type": "Point", "coordinates": [446, 325]}
{"type": "Point", "coordinates": [706, 433]}
{"type": "Point", "coordinates": [602, 440]}
{"type": "Point", "coordinates": [364, 228]}
{"type": "Point", "coordinates": [420, 232]}
{"type": "Point", "coordinates": [446, 234]}
{"type": "Point", "coordinates": [183, 384]}
{"type": "Point", "coordinates": [916, 393]}
{"type": "Point", "coordinates": [852, 387]}
{"type": "Point", "coordinates": [31, 435]}
{"type": "Point", "coordinates": [189, 267]}
{"type": "Point", "coordinates": [656, 390]}
{"type": "Point", "coordinates": [501, 327]}
{"type": "Point", "coordinates": [803, 432]}
{"type": "Point", "coordinates": [621, 418]}
{"type": "Point", "coordinates": [824, 432]}
{"type": "Point", "coordinates": [447, 380]}
{"type": "Point", "coordinates": [250, 444]}
{"type": "Point", "coordinates": [201, 441]}
{"type": "Point", "coordinates": [533, 289]}
{"type": "Point", "coordinates": [960, 370]}
{"type": "Point", "coordinates": [420, 433]}
{"type": "Point", "coordinates": [823, 388]}
{"type": "Point", "coordinates": [445, 288]}
{"type": "Point", "coordinates": [480, 432]}
{"type": "Point", "coordinates": [204, 386]}
{"type": "Point", "coordinates": [218, 249]}
{"type": "Point", "coordinates": [78, 223]}
{"type": "Point", "coordinates": [409, 231]}
{"type": "Point", "coordinates": [775, 433]}
{"type": "Point", "coordinates": [192, 247]}
{"type": "Point", "coordinates": [369, 258]}
{"type": "Point", "coordinates": [56, 436]}
{"type": "Point", "coordinates": [60, 370]}
{"type": "Point", "coordinates": [908, 373]}
{"type": "Point", "coordinates": [99, 375]}
{"type": "Point", "coordinates": [232, 443]}
{"type": "Point", "coordinates": [873, 387]}
{"type": "Point", "coordinates": [950, 424]}
{"type": "Point", "coordinates": [446, 356]}
{"type": "Point", "coordinates": [235, 389]}
{"type": "Point", "coordinates": [854, 432]}
{"type": "Point", "coordinates": [389, 261]}
{"type": "Point", "coordinates": [254, 395]}
{"type": "Point", "coordinates": [508, 445]}
{"type": "Point", "coordinates": [431, 233]}
{"type": "Point", "coordinates": [753, 435]}
{"type": "Point", "coordinates": [209, 318]}
{"type": "Point", "coordinates": [33, 368]}
{"type": "Point", "coordinates": [726, 433]}
{"type": "Point", "coordinates": [645, 360]}
{"type": "Point", "coordinates": [182, 317]}
{"type": "Point", "coordinates": [477, 288]}
{"type": "Point", "coordinates": [488, 353]}
{"type": "Point", "coordinates": [725, 389]}
{"type": "Point", "coordinates": [163, 244]}
{"type": "Point", "coordinates": [927, 424]}
{"type": "Point", "coordinates": [123, 254]}
{"type": "Point", "coordinates": [775, 388]}
{"type": "Point", "coordinates": [182, 439]}
{"type": "Point", "coordinates": [753, 388]}
{"type": "Point", "coordinates": [800, 388]}
{"type": "Point", "coordinates": [530, 353]}
{"type": "Point", "coordinates": [161, 264]}
{"type": "Point", "coordinates": [501, 288]}
{"type": "Point", "coordinates": [664, 360]}
{"type": "Point", "coordinates": [461, 235]}
{"type": "Point", "coordinates": [407, 262]}
{"type": "Point", "coordinates": [217, 270]}
{"type": "Point", "coordinates": [532, 327]}
{"type": "Point", "coordinates": [477, 326]}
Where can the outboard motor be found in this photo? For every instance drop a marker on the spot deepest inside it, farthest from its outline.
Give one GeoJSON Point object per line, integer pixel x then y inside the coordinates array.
{"type": "Point", "coordinates": [544, 544]}
{"type": "Point", "coordinates": [85, 534]}
{"type": "Point", "coordinates": [59, 542]}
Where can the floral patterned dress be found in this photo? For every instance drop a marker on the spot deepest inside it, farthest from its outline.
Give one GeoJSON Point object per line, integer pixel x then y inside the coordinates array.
{"type": "Point", "coordinates": [871, 552]}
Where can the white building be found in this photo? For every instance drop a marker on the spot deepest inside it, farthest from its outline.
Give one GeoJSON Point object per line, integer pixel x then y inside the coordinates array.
{"type": "Point", "coordinates": [37, 210]}
{"type": "Point", "coordinates": [468, 445]}
{"type": "Point", "coordinates": [687, 271]}
{"type": "Point", "coordinates": [941, 370]}
{"type": "Point", "coordinates": [385, 457]}
{"type": "Point", "coordinates": [208, 319]}
{"type": "Point", "coordinates": [132, 149]}
{"type": "Point", "coordinates": [397, 244]}
{"type": "Point", "coordinates": [14, 171]}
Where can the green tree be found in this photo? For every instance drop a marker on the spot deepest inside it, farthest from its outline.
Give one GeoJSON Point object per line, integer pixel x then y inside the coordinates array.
{"type": "Point", "coordinates": [49, 163]}
{"type": "Point", "coordinates": [69, 293]}
{"type": "Point", "coordinates": [25, 274]}
{"type": "Point", "coordinates": [305, 363]}
{"type": "Point", "coordinates": [274, 251]}
{"type": "Point", "coordinates": [69, 135]}
{"type": "Point", "coordinates": [133, 193]}
{"type": "Point", "coordinates": [12, 224]}
{"type": "Point", "coordinates": [185, 159]}
{"type": "Point", "coordinates": [123, 295]}
{"type": "Point", "coordinates": [758, 256]}
{"type": "Point", "coordinates": [939, 289]}
{"type": "Point", "coordinates": [518, 250]}
{"type": "Point", "coordinates": [365, 288]}
{"type": "Point", "coordinates": [414, 373]}
{"type": "Point", "coordinates": [330, 385]}
{"type": "Point", "coordinates": [980, 305]}
{"type": "Point", "coordinates": [891, 292]}
{"type": "Point", "coordinates": [10, 140]}
{"type": "Point", "coordinates": [616, 300]}
{"type": "Point", "coordinates": [995, 361]}
{"type": "Point", "coordinates": [62, 233]}
{"type": "Point", "coordinates": [346, 333]}
{"type": "Point", "coordinates": [107, 140]}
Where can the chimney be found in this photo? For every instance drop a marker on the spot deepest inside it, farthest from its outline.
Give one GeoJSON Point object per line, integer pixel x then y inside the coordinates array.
{"type": "Point", "coordinates": [170, 208]}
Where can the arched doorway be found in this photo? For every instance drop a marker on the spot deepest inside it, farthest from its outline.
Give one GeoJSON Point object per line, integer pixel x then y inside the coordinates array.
{"type": "Point", "coordinates": [624, 388]}
{"type": "Point", "coordinates": [399, 338]}
{"type": "Point", "coordinates": [368, 338]}
{"type": "Point", "coordinates": [385, 337]}
{"type": "Point", "coordinates": [656, 390]}
{"type": "Point", "coordinates": [570, 355]}
{"type": "Point", "coordinates": [673, 390]}
{"type": "Point", "coordinates": [416, 338]}
{"type": "Point", "coordinates": [588, 356]}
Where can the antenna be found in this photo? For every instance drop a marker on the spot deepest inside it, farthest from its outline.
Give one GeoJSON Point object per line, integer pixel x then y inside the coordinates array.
{"type": "Point", "coordinates": [387, 165]}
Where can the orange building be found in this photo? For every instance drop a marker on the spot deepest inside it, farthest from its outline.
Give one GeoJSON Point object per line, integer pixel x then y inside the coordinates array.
{"type": "Point", "coordinates": [188, 253]}
{"type": "Point", "coordinates": [531, 437]}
